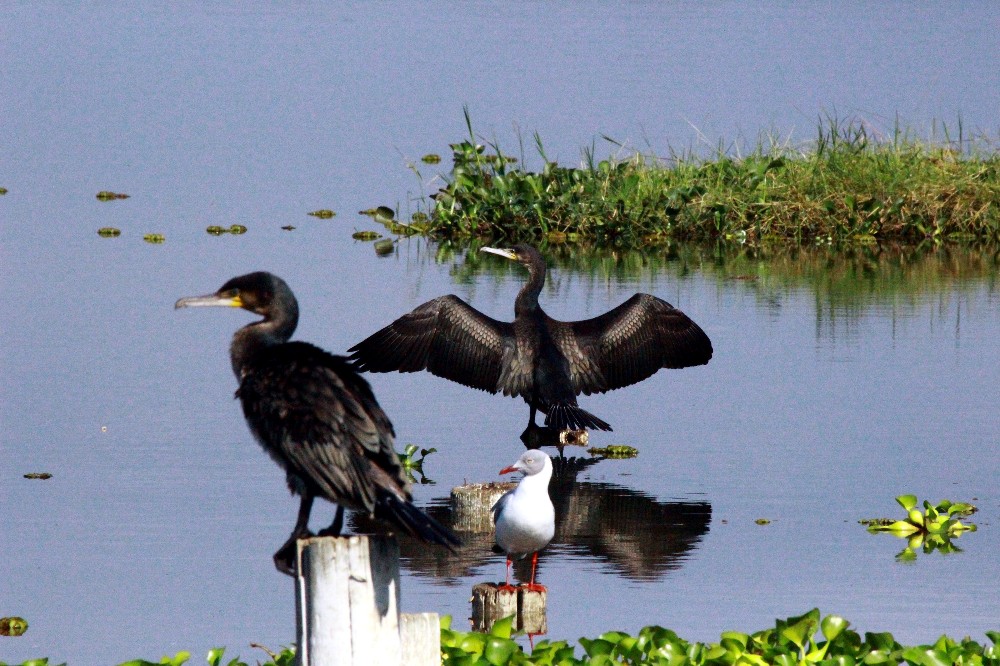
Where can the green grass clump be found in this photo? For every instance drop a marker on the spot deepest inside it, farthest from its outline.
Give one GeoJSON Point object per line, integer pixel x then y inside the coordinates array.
{"type": "Point", "coordinates": [846, 184]}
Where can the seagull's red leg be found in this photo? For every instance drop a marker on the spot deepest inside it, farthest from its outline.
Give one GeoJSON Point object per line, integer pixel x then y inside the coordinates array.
{"type": "Point", "coordinates": [507, 587]}
{"type": "Point", "coordinates": [532, 587]}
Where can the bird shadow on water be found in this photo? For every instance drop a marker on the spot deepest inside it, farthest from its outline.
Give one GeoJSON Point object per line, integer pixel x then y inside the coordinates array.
{"type": "Point", "coordinates": [639, 537]}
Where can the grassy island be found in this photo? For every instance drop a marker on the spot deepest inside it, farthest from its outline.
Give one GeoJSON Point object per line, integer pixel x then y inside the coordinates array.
{"type": "Point", "coordinates": [848, 184]}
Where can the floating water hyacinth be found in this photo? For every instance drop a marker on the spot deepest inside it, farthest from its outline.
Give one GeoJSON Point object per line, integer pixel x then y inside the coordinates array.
{"type": "Point", "coordinates": [155, 239]}
{"type": "Point", "coordinates": [105, 195]}
{"type": "Point", "coordinates": [384, 247]}
{"type": "Point", "coordinates": [13, 626]}
{"type": "Point", "coordinates": [237, 229]}
{"type": "Point", "coordinates": [431, 158]}
{"type": "Point", "coordinates": [929, 530]}
{"type": "Point", "coordinates": [109, 232]}
{"type": "Point", "coordinates": [616, 451]}
{"type": "Point", "coordinates": [366, 235]}
{"type": "Point", "coordinates": [216, 230]}
{"type": "Point", "coordinates": [323, 213]}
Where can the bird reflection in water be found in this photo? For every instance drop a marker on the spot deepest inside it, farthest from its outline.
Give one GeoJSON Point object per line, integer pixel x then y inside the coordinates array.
{"type": "Point", "coordinates": [641, 538]}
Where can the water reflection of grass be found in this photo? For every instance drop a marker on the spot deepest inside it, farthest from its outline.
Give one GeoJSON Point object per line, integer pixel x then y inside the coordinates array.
{"type": "Point", "coordinates": [849, 182]}
{"type": "Point", "coordinates": [843, 276]}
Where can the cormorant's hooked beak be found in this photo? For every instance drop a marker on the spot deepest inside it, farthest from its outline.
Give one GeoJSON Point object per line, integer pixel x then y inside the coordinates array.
{"type": "Point", "coordinates": [505, 253]}
{"type": "Point", "coordinates": [227, 300]}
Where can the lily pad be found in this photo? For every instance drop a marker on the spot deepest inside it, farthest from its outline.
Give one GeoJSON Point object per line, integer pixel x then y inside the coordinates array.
{"type": "Point", "coordinates": [109, 232]}
{"type": "Point", "coordinates": [155, 239]}
{"type": "Point", "coordinates": [13, 626]}
{"type": "Point", "coordinates": [366, 235]}
{"type": "Point", "coordinates": [323, 213]}
{"type": "Point", "coordinates": [38, 475]}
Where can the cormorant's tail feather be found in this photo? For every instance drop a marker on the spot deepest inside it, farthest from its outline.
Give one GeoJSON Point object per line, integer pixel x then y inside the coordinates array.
{"type": "Point", "coordinates": [412, 520]}
{"type": "Point", "coordinates": [570, 417]}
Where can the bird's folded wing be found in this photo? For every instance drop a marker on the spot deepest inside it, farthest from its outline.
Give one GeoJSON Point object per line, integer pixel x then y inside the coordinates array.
{"type": "Point", "coordinates": [446, 336]}
{"type": "Point", "coordinates": [630, 343]}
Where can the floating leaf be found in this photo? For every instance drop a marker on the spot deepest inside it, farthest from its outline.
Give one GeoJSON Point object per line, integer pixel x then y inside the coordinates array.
{"type": "Point", "coordinates": [323, 213]}
{"type": "Point", "coordinates": [105, 195]}
{"type": "Point", "coordinates": [763, 521]}
{"type": "Point", "coordinates": [419, 217]}
{"type": "Point", "coordinates": [13, 626]}
{"type": "Point", "coordinates": [366, 235]}
{"type": "Point", "coordinates": [431, 158]}
{"type": "Point", "coordinates": [384, 247]}
{"type": "Point", "coordinates": [109, 232]}
{"type": "Point", "coordinates": [384, 214]}
{"type": "Point", "coordinates": [156, 239]}
{"type": "Point", "coordinates": [216, 230]}
{"type": "Point", "coordinates": [3, 191]}
{"type": "Point", "coordinates": [237, 229]}
{"type": "Point", "coordinates": [38, 475]}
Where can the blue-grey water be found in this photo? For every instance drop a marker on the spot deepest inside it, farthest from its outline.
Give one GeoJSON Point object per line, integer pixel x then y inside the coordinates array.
{"type": "Point", "coordinates": [156, 531]}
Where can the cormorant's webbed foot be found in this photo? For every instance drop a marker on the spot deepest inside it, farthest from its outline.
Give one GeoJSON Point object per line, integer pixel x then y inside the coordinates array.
{"type": "Point", "coordinates": [284, 558]}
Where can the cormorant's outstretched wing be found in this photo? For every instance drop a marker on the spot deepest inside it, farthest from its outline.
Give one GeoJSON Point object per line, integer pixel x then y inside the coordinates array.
{"type": "Point", "coordinates": [446, 336]}
{"type": "Point", "coordinates": [318, 418]}
{"type": "Point", "coordinates": [630, 343]}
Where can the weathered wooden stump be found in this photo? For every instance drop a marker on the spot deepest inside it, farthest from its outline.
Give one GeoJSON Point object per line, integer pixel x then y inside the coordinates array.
{"type": "Point", "coordinates": [471, 505]}
{"type": "Point", "coordinates": [347, 606]}
{"type": "Point", "coordinates": [491, 603]}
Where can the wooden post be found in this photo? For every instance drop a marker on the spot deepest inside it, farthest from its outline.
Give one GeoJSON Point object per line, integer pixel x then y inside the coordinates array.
{"type": "Point", "coordinates": [346, 601]}
{"type": "Point", "coordinates": [471, 504]}
{"type": "Point", "coordinates": [420, 635]}
{"type": "Point", "coordinates": [347, 606]}
{"type": "Point", "coordinates": [491, 603]}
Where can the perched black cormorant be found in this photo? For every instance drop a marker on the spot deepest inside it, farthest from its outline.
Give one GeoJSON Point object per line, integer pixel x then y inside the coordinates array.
{"type": "Point", "coordinates": [315, 416]}
{"type": "Point", "coordinates": [545, 361]}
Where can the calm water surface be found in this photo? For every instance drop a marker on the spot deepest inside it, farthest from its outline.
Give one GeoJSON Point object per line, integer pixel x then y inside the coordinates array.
{"type": "Point", "coordinates": [836, 385]}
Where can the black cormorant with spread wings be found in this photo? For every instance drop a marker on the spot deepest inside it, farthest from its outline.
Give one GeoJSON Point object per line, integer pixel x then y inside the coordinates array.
{"type": "Point", "coordinates": [315, 416]}
{"type": "Point", "coordinates": [545, 361]}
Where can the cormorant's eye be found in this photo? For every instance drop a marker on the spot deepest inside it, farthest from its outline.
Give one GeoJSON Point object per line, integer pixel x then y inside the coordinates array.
{"type": "Point", "coordinates": [230, 293]}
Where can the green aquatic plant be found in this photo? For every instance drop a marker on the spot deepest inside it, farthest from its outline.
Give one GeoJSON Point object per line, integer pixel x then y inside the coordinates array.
{"type": "Point", "coordinates": [109, 232]}
{"type": "Point", "coordinates": [803, 640]}
{"type": "Point", "coordinates": [286, 657]}
{"type": "Point", "coordinates": [13, 626]}
{"type": "Point", "coordinates": [931, 529]}
{"type": "Point", "coordinates": [237, 229]}
{"type": "Point", "coordinates": [323, 213]}
{"type": "Point", "coordinates": [38, 475]}
{"type": "Point", "coordinates": [366, 235]}
{"type": "Point", "coordinates": [105, 195]}
{"type": "Point", "coordinates": [614, 451]}
{"type": "Point", "coordinates": [216, 230]}
{"type": "Point", "coordinates": [155, 239]}
{"type": "Point", "coordinates": [384, 247]}
{"type": "Point", "coordinates": [412, 465]}
{"type": "Point", "coordinates": [3, 191]}
{"type": "Point", "coordinates": [431, 158]}
{"type": "Point", "coordinates": [849, 183]}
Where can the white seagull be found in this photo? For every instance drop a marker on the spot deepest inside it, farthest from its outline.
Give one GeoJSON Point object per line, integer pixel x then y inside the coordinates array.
{"type": "Point", "coordinates": [524, 517]}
